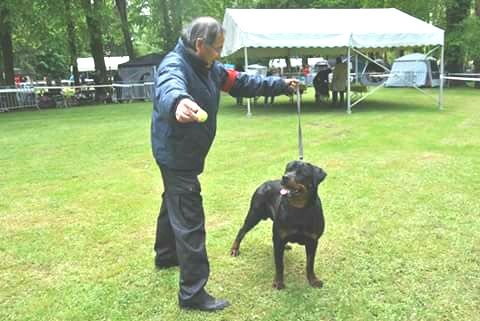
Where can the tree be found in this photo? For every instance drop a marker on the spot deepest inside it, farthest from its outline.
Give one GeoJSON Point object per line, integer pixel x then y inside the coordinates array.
{"type": "Point", "coordinates": [72, 40]}
{"type": "Point", "coordinates": [172, 21]}
{"type": "Point", "coordinates": [93, 10]}
{"type": "Point", "coordinates": [122, 12]}
{"type": "Point", "coordinates": [6, 42]}
{"type": "Point", "coordinates": [476, 61]}
{"type": "Point", "coordinates": [456, 12]}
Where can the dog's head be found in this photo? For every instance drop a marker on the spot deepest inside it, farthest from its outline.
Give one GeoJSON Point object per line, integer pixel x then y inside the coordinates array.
{"type": "Point", "coordinates": [293, 92]}
{"type": "Point", "coordinates": [301, 179]}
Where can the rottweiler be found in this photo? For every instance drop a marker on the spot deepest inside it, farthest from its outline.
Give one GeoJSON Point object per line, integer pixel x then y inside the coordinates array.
{"type": "Point", "coordinates": [296, 210]}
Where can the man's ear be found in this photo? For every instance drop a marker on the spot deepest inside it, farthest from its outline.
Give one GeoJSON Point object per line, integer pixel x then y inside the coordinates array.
{"type": "Point", "coordinates": [199, 43]}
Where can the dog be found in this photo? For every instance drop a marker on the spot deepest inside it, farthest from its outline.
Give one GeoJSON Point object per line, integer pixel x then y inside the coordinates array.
{"type": "Point", "coordinates": [292, 94]}
{"type": "Point", "coordinates": [296, 210]}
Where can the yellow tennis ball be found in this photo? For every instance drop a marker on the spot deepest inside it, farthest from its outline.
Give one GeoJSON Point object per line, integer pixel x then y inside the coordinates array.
{"type": "Point", "coordinates": [202, 115]}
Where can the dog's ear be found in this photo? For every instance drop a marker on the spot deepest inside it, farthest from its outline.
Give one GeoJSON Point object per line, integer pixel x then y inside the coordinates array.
{"type": "Point", "coordinates": [318, 175]}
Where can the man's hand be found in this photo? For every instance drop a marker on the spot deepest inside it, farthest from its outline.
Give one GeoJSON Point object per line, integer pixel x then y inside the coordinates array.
{"type": "Point", "coordinates": [292, 83]}
{"type": "Point", "coordinates": [187, 111]}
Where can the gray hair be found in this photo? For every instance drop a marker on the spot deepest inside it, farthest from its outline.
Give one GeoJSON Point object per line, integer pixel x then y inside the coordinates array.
{"type": "Point", "coordinates": [206, 28]}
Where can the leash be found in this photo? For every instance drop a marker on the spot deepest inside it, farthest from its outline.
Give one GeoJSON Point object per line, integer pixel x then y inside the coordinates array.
{"type": "Point", "coordinates": [300, 143]}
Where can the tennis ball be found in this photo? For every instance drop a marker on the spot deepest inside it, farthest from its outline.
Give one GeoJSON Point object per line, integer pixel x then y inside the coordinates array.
{"type": "Point", "coordinates": [202, 115]}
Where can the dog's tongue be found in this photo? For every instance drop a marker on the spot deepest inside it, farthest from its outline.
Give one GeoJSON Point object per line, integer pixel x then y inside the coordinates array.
{"type": "Point", "coordinates": [283, 191]}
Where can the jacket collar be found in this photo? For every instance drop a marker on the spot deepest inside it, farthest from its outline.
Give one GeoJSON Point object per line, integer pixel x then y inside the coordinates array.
{"type": "Point", "coordinates": [191, 56]}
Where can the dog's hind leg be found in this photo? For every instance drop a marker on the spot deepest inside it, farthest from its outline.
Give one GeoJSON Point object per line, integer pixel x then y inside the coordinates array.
{"type": "Point", "coordinates": [251, 220]}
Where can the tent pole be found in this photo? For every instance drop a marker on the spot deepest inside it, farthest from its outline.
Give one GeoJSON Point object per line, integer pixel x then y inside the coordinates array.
{"type": "Point", "coordinates": [356, 68]}
{"type": "Point", "coordinates": [249, 113]}
{"type": "Point", "coordinates": [431, 51]}
{"type": "Point", "coordinates": [370, 59]}
{"type": "Point", "coordinates": [349, 106]}
{"type": "Point", "coordinates": [440, 96]}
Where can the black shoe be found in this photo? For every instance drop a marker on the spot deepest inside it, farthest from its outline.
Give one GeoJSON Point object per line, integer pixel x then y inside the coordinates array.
{"type": "Point", "coordinates": [165, 264]}
{"type": "Point", "coordinates": [204, 302]}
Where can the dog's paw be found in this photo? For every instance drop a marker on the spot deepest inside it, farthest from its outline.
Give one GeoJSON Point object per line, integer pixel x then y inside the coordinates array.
{"type": "Point", "coordinates": [234, 252]}
{"type": "Point", "coordinates": [316, 283]}
{"type": "Point", "coordinates": [279, 285]}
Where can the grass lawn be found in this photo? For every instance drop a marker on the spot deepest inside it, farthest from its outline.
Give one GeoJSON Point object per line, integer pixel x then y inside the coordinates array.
{"type": "Point", "coordinates": [79, 196]}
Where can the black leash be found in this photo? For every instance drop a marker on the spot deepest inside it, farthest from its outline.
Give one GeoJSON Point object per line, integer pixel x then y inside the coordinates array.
{"type": "Point", "coordinates": [300, 144]}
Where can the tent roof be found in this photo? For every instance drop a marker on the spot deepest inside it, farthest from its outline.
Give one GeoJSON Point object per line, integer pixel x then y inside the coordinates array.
{"type": "Point", "coordinates": [152, 59]}
{"type": "Point", "coordinates": [414, 57]}
{"type": "Point", "coordinates": [277, 32]}
{"type": "Point", "coordinates": [111, 63]}
{"type": "Point", "coordinates": [257, 66]}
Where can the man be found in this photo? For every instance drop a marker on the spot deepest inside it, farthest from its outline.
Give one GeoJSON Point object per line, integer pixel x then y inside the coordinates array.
{"type": "Point", "coordinates": [187, 82]}
{"type": "Point", "coordinates": [339, 80]}
{"type": "Point", "coordinates": [320, 82]}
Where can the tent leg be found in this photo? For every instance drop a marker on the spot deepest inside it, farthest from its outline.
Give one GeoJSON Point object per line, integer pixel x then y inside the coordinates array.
{"type": "Point", "coordinates": [249, 113]}
{"type": "Point", "coordinates": [440, 93]}
{"type": "Point", "coordinates": [349, 105]}
{"type": "Point", "coordinates": [356, 68]}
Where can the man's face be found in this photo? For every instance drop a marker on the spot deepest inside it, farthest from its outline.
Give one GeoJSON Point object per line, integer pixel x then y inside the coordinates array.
{"type": "Point", "coordinates": [210, 53]}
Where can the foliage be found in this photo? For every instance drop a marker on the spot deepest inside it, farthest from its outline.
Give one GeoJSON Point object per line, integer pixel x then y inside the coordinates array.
{"type": "Point", "coordinates": [456, 12]}
{"type": "Point", "coordinates": [469, 36]}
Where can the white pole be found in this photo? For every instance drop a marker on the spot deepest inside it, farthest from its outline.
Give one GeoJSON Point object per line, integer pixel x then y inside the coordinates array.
{"type": "Point", "coordinates": [440, 95]}
{"type": "Point", "coordinates": [356, 68]}
{"type": "Point", "coordinates": [249, 113]}
{"type": "Point", "coordinates": [349, 107]}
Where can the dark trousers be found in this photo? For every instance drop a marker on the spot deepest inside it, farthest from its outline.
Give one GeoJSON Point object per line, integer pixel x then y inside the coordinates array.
{"type": "Point", "coordinates": [181, 231]}
{"type": "Point", "coordinates": [334, 96]}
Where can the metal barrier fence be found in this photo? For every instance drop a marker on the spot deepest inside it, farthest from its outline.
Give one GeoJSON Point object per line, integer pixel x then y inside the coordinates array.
{"type": "Point", "coordinates": [35, 96]}
{"type": "Point", "coordinates": [17, 98]}
{"type": "Point", "coordinates": [131, 91]}
{"type": "Point", "coordinates": [12, 98]}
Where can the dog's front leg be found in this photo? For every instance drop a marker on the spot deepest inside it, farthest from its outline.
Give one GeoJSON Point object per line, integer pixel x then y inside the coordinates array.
{"type": "Point", "coordinates": [311, 249]}
{"type": "Point", "coordinates": [278, 250]}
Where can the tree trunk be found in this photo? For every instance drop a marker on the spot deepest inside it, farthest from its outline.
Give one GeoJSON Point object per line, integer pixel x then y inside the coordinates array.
{"type": "Point", "coordinates": [177, 11]}
{"type": "Point", "coordinates": [92, 16]}
{"type": "Point", "coordinates": [7, 47]}
{"type": "Point", "coordinates": [172, 21]}
{"type": "Point", "coordinates": [167, 25]}
{"type": "Point", "coordinates": [304, 61]}
{"type": "Point", "coordinates": [456, 12]}
{"type": "Point", "coordinates": [72, 41]}
{"type": "Point", "coordinates": [476, 62]}
{"type": "Point", "coordinates": [288, 68]}
{"type": "Point", "coordinates": [122, 12]}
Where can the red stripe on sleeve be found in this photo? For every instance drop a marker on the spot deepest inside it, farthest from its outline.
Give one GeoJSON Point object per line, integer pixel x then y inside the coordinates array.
{"type": "Point", "coordinates": [230, 81]}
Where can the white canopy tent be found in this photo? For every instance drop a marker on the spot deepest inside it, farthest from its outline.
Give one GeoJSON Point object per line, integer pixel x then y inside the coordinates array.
{"type": "Point", "coordinates": [297, 32]}
{"type": "Point", "coordinates": [111, 63]}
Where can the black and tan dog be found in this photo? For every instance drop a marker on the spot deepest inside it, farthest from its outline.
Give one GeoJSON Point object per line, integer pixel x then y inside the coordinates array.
{"type": "Point", "coordinates": [296, 210]}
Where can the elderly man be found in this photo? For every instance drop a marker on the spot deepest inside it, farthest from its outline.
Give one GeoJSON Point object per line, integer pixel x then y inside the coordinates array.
{"type": "Point", "coordinates": [187, 84]}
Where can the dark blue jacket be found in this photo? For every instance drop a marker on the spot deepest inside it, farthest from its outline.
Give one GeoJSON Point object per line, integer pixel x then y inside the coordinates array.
{"type": "Point", "coordinates": [180, 75]}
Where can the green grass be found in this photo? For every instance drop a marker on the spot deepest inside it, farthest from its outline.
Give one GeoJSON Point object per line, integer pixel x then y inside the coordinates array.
{"type": "Point", "coordinates": [79, 195]}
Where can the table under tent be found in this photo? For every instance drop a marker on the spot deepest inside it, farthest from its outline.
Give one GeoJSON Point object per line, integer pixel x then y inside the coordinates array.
{"type": "Point", "coordinates": [301, 32]}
